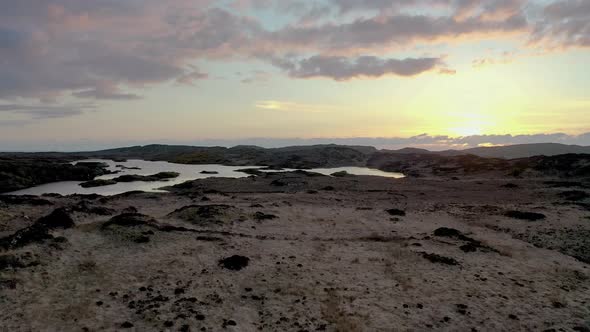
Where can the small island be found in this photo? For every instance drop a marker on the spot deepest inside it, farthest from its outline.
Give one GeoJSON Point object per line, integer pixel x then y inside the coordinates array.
{"type": "Point", "coordinates": [209, 172]}
{"type": "Point", "coordinates": [162, 176]}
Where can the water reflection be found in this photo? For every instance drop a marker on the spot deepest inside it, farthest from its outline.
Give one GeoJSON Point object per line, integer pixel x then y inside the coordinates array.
{"type": "Point", "coordinates": [187, 173]}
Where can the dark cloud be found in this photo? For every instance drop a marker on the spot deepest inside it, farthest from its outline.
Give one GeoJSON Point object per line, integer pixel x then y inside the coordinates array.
{"type": "Point", "coordinates": [343, 68]}
{"type": "Point", "coordinates": [382, 33]}
{"type": "Point", "coordinates": [564, 24]}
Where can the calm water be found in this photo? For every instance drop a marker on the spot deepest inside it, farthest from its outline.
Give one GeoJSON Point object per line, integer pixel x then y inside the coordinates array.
{"type": "Point", "coordinates": [187, 173]}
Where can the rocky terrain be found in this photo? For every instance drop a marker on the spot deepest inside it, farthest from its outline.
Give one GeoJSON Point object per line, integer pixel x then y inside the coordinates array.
{"type": "Point", "coordinates": [24, 171]}
{"type": "Point", "coordinates": [297, 251]}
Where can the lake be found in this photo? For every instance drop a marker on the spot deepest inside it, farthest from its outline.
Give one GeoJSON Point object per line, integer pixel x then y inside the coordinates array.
{"type": "Point", "coordinates": [187, 173]}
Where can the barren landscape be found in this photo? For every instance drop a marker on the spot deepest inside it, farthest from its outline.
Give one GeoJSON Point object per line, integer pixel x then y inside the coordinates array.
{"type": "Point", "coordinates": [297, 251]}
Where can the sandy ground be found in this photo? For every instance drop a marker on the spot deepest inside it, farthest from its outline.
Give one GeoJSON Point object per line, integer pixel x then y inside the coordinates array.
{"type": "Point", "coordinates": [325, 254]}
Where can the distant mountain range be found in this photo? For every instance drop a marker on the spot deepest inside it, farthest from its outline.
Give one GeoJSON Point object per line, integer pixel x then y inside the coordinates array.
{"type": "Point", "coordinates": [249, 153]}
{"type": "Point", "coordinates": [508, 151]}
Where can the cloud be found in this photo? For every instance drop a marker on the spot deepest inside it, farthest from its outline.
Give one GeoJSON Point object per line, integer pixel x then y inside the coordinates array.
{"type": "Point", "coordinates": [189, 78]}
{"type": "Point", "coordinates": [99, 49]}
{"type": "Point", "coordinates": [379, 34]}
{"type": "Point", "coordinates": [38, 112]}
{"type": "Point", "coordinates": [276, 105]}
{"type": "Point", "coordinates": [447, 71]}
{"type": "Point", "coordinates": [257, 76]}
{"type": "Point", "coordinates": [342, 68]}
{"type": "Point", "coordinates": [106, 91]}
{"type": "Point", "coordinates": [564, 24]}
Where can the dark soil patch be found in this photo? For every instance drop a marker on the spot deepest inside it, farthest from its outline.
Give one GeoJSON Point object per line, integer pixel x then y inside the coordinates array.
{"type": "Point", "coordinates": [213, 213]}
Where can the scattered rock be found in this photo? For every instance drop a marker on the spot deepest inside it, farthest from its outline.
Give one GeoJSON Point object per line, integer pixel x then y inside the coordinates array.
{"type": "Point", "coordinates": [126, 325]}
{"type": "Point", "coordinates": [448, 232]}
{"type": "Point", "coordinates": [264, 216]}
{"type": "Point", "coordinates": [235, 262]}
{"type": "Point", "coordinates": [530, 216]}
{"type": "Point", "coordinates": [469, 247]}
{"type": "Point", "coordinates": [227, 323]}
{"type": "Point", "coordinates": [396, 212]}
{"type": "Point", "coordinates": [16, 262]}
{"type": "Point", "coordinates": [202, 214]}
{"type": "Point", "coordinates": [39, 231]}
{"type": "Point", "coordinates": [33, 234]}
{"type": "Point", "coordinates": [209, 238]}
{"type": "Point", "coordinates": [59, 218]}
{"type": "Point", "coordinates": [574, 195]}
{"type": "Point", "coordinates": [435, 258]}
{"type": "Point", "coordinates": [8, 283]}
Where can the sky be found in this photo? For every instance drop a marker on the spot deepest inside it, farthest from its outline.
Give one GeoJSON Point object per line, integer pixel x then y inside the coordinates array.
{"type": "Point", "coordinates": [82, 75]}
